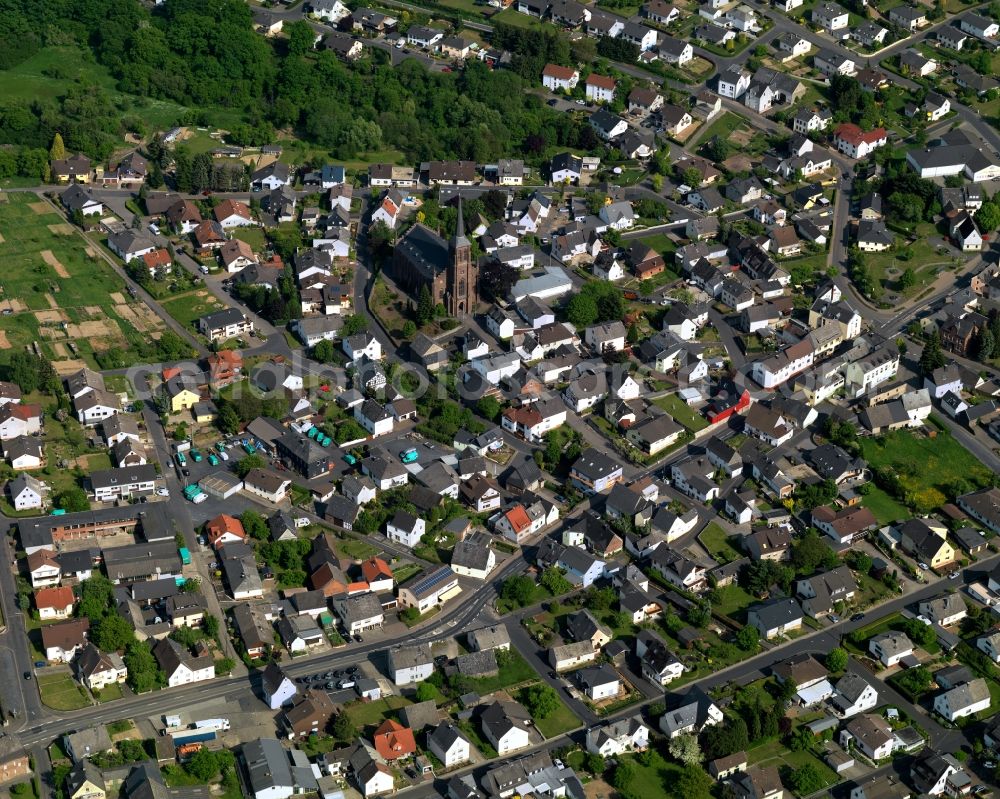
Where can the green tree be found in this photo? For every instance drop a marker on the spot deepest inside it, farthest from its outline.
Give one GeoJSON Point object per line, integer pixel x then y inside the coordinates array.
{"type": "Point", "coordinates": [228, 420]}
{"type": "Point", "coordinates": [425, 306]}
{"type": "Point", "coordinates": [72, 500]}
{"type": "Point", "coordinates": [554, 581]}
{"type": "Point", "coordinates": [96, 598]}
{"type": "Point", "coordinates": [202, 765]}
{"type": "Point", "coordinates": [859, 561]}
{"type": "Point", "coordinates": [988, 216]}
{"type": "Point", "coordinates": [354, 324]}
{"type": "Point", "coordinates": [836, 659]}
{"type": "Point", "coordinates": [142, 668]}
{"type": "Point", "coordinates": [254, 525]}
{"type": "Point", "coordinates": [724, 739]}
{"type": "Point", "coordinates": [324, 351]}
{"type": "Point", "coordinates": [692, 177]}
{"type": "Point", "coordinates": [489, 407]}
{"type": "Point", "coordinates": [518, 590]}
{"type": "Point", "coordinates": [343, 728]}
{"type": "Point", "coordinates": [810, 552]}
{"type": "Point", "coordinates": [581, 311]}
{"type": "Point", "coordinates": [540, 700]}
{"type": "Point", "coordinates": [246, 465]}
{"type": "Point", "coordinates": [599, 598]}
{"type": "Point", "coordinates": [112, 633]}
{"type": "Point", "coordinates": [804, 779]}
{"type": "Point", "coordinates": [349, 430]}
{"type": "Point", "coordinates": [748, 639]}
{"type": "Point", "coordinates": [985, 345]}
{"type": "Point", "coordinates": [685, 749]}
{"type": "Point", "coordinates": [624, 775]}
{"type": "Point", "coordinates": [380, 238]}
{"type": "Point", "coordinates": [300, 37]}
{"type": "Point", "coordinates": [426, 692]}
{"type": "Point", "coordinates": [594, 763]}
{"type": "Point", "coordinates": [30, 372]}
{"type": "Point", "coordinates": [693, 783]}
{"type": "Point", "coordinates": [57, 152]}
{"type": "Point", "coordinates": [932, 356]}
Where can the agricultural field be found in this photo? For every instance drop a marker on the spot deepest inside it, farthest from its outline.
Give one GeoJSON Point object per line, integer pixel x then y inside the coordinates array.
{"type": "Point", "coordinates": [59, 291]}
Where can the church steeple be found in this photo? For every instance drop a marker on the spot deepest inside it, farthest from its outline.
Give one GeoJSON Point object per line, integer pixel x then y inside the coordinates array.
{"type": "Point", "coordinates": [461, 276]}
{"type": "Point", "coordinates": [459, 239]}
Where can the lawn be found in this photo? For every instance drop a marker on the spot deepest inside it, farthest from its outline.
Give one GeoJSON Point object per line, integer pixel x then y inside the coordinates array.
{"type": "Point", "coordinates": [188, 307]}
{"type": "Point", "coordinates": [371, 714]}
{"type": "Point", "coordinates": [353, 548]}
{"type": "Point", "coordinates": [405, 572]}
{"type": "Point", "coordinates": [722, 127]}
{"type": "Point", "coordinates": [731, 600]}
{"type": "Point", "coordinates": [254, 236]}
{"type": "Point", "coordinates": [559, 721]}
{"type": "Point", "coordinates": [716, 542]}
{"type": "Point", "coordinates": [681, 412]}
{"type": "Point", "coordinates": [875, 627]}
{"type": "Point", "coordinates": [514, 672]}
{"type": "Point", "coordinates": [925, 261]}
{"type": "Point", "coordinates": [926, 467]}
{"type": "Point", "coordinates": [885, 508]}
{"type": "Point", "coordinates": [649, 781]}
{"type": "Point", "coordinates": [806, 268]}
{"type": "Point", "coordinates": [109, 694]}
{"type": "Point", "coordinates": [363, 161]}
{"type": "Point", "coordinates": [62, 294]}
{"type": "Point", "coordinates": [660, 242]}
{"type": "Point", "coordinates": [540, 595]}
{"type": "Point", "coordinates": [61, 692]}
{"type": "Point", "coordinates": [774, 753]}
{"type": "Point", "coordinates": [511, 17]}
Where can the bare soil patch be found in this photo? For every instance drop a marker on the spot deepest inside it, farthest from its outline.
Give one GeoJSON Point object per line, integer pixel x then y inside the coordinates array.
{"type": "Point", "coordinates": [68, 367]}
{"type": "Point", "coordinates": [116, 297]}
{"type": "Point", "coordinates": [40, 208]}
{"type": "Point", "coordinates": [51, 301]}
{"type": "Point", "coordinates": [50, 317]}
{"type": "Point", "coordinates": [61, 229]}
{"type": "Point", "coordinates": [14, 306]}
{"type": "Point", "coordinates": [138, 316]}
{"type": "Point", "coordinates": [4, 343]}
{"type": "Point", "coordinates": [741, 137]}
{"type": "Point", "coordinates": [60, 350]}
{"type": "Point", "coordinates": [94, 329]}
{"type": "Point", "coordinates": [92, 310]}
{"type": "Point", "coordinates": [49, 257]}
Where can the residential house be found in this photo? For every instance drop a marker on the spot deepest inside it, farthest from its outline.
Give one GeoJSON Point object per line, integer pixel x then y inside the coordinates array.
{"type": "Point", "coordinates": [854, 695]}
{"type": "Point", "coordinates": [775, 617]}
{"type": "Point", "coordinates": [505, 726]}
{"type": "Point", "coordinates": [963, 700]}
{"type": "Point", "coordinates": [869, 734]}
{"type": "Point", "coordinates": [890, 647]}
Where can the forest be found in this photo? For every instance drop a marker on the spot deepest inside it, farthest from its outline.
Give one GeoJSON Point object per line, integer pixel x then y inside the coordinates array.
{"type": "Point", "coordinates": [205, 54]}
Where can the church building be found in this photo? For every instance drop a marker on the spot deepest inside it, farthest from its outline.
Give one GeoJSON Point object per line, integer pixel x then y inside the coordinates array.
{"type": "Point", "coordinates": [423, 258]}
